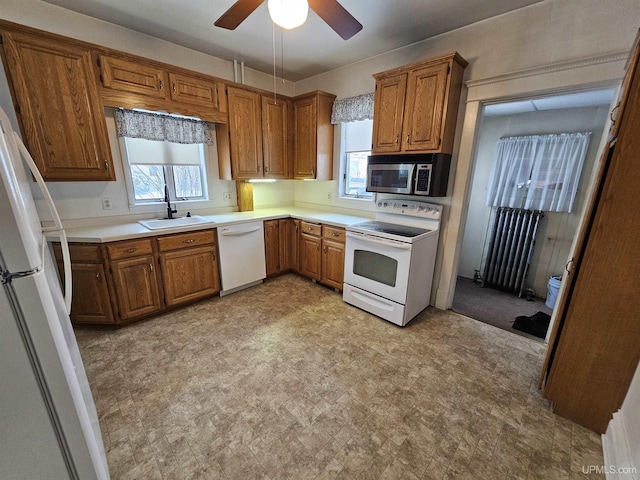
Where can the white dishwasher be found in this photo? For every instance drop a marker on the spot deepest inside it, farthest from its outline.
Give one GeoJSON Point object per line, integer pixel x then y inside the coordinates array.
{"type": "Point", "coordinates": [241, 260]}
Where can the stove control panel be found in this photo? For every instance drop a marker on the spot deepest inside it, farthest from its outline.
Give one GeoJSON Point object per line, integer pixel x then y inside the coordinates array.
{"type": "Point", "coordinates": [409, 208]}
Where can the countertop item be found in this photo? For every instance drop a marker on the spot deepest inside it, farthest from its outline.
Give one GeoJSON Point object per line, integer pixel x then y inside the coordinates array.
{"type": "Point", "coordinates": [125, 231]}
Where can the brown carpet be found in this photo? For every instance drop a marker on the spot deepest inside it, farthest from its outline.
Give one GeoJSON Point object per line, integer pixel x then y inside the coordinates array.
{"type": "Point", "coordinates": [494, 307]}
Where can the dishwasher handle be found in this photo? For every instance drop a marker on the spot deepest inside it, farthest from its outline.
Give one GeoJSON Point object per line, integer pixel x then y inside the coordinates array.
{"type": "Point", "coordinates": [235, 233]}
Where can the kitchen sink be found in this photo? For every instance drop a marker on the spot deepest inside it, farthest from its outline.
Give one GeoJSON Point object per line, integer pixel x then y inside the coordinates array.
{"type": "Point", "coordinates": [160, 223]}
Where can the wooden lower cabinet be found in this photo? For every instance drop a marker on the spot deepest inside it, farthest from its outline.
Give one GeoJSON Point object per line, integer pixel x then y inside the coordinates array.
{"type": "Point", "coordinates": [91, 298]}
{"type": "Point", "coordinates": [333, 241]}
{"type": "Point", "coordinates": [119, 282]}
{"type": "Point", "coordinates": [278, 245]}
{"type": "Point", "coordinates": [136, 286]}
{"type": "Point", "coordinates": [189, 266]}
{"type": "Point", "coordinates": [321, 249]}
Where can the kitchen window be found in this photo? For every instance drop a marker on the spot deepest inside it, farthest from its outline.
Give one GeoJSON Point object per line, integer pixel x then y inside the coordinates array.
{"type": "Point", "coordinates": [356, 145]}
{"type": "Point", "coordinates": [154, 164]}
{"type": "Point", "coordinates": [162, 149]}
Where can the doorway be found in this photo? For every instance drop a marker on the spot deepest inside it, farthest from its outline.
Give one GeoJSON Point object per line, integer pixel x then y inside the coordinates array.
{"type": "Point", "coordinates": [565, 113]}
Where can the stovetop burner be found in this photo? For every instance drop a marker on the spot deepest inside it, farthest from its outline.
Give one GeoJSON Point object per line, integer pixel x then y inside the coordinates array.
{"type": "Point", "coordinates": [392, 229]}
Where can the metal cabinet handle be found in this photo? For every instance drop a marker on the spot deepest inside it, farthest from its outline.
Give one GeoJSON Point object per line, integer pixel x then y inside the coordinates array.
{"type": "Point", "coordinates": [106, 164]}
{"type": "Point", "coordinates": [191, 240]}
{"type": "Point", "coordinates": [161, 85]}
{"type": "Point", "coordinates": [408, 136]}
{"type": "Point", "coordinates": [129, 250]}
{"type": "Point", "coordinates": [174, 87]}
{"type": "Point", "coordinates": [335, 234]}
{"type": "Point", "coordinates": [151, 268]}
{"type": "Point", "coordinates": [98, 275]}
{"type": "Point", "coordinates": [397, 138]}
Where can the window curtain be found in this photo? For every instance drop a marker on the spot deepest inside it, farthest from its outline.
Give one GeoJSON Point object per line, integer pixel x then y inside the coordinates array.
{"type": "Point", "coordinates": [539, 172]}
{"type": "Point", "coordinates": [352, 109]}
{"type": "Point", "coordinates": [510, 171]}
{"type": "Point", "coordinates": [556, 172]}
{"type": "Point", "coordinates": [161, 127]}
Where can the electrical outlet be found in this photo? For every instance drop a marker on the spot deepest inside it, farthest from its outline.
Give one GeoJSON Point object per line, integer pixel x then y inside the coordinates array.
{"type": "Point", "coordinates": [106, 203]}
{"type": "Point", "coordinates": [226, 196]}
{"type": "Point", "coordinates": [329, 196]}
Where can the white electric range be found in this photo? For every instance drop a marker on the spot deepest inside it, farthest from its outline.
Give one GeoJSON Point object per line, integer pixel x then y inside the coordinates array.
{"type": "Point", "coordinates": [389, 262]}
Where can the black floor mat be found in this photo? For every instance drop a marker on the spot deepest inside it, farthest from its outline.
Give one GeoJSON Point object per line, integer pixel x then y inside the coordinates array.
{"type": "Point", "coordinates": [537, 324]}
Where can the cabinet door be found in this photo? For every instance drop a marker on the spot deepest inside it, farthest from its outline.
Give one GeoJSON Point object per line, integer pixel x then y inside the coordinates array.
{"type": "Point", "coordinates": [295, 245]}
{"type": "Point", "coordinates": [424, 108]}
{"type": "Point", "coordinates": [388, 115]}
{"type": "Point", "coordinates": [60, 111]}
{"type": "Point", "coordinates": [332, 263]}
{"type": "Point", "coordinates": [189, 274]}
{"type": "Point", "coordinates": [310, 256]}
{"type": "Point", "coordinates": [245, 133]}
{"type": "Point", "coordinates": [304, 121]}
{"type": "Point", "coordinates": [272, 247]}
{"type": "Point", "coordinates": [193, 90]}
{"type": "Point", "coordinates": [136, 286]}
{"type": "Point", "coordinates": [91, 302]}
{"type": "Point", "coordinates": [132, 77]}
{"type": "Point", "coordinates": [275, 140]}
{"type": "Point", "coordinates": [285, 227]}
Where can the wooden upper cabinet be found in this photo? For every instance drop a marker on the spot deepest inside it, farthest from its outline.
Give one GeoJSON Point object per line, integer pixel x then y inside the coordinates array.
{"type": "Point", "coordinates": [416, 106]}
{"type": "Point", "coordinates": [244, 133]}
{"type": "Point", "coordinates": [276, 143]}
{"type": "Point", "coordinates": [132, 77]}
{"type": "Point", "coordinates": [422, 125]}
{"type": "Point", "coordinates": [193, 90]}
{"type": "Point", "coordinates": [131, 82]}
{"type": "Point", "coordinates": [61, 115]}
{"type": "Point", "coordinates": [313, 136]}
{"type": "Point", "coordinates": [389, 107]}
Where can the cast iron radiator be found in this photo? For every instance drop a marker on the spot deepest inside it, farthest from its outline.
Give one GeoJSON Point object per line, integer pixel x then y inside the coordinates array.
{"type": "Point", "coordinates": [512, 240]}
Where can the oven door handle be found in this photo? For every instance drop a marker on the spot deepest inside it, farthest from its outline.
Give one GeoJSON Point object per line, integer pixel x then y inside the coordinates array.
{"type": "Point", "coordinates": [379, 241]}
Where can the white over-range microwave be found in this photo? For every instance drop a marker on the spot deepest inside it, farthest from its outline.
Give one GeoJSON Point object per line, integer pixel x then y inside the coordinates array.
{"type": "Point", "coordinates": [417, 174]}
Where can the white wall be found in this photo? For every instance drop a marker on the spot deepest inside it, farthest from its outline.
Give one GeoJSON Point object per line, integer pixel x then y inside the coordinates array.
{"type": "Point", "coordinates": [556, 230]}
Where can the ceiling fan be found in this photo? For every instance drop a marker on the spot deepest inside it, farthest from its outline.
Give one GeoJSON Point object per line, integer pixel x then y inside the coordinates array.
{"type": "Point", "coordinates": [330, 11]}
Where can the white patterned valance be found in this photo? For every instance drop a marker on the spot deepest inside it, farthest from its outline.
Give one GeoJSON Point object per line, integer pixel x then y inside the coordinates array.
{"type": "Point", "coordinates": [352, 109]}
{"type": "Point", "coordinates": [161, 127]}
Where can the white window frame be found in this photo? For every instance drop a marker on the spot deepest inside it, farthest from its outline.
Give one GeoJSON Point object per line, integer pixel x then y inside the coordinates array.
{"type": "Point", "coordinates": [344, 155]}
{"type": "Point", "coordinates": [126, 167]}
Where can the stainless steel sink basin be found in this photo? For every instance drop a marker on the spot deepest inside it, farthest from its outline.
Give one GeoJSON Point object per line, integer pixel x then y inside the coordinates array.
{"type": "Point", "coordinates": [161, 223]}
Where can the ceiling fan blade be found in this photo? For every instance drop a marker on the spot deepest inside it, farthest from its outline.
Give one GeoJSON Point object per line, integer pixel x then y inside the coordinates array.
{"type": "Point", "coordinates": [336, 17]}
{"type": "Point", "coordinates": [237, 13]}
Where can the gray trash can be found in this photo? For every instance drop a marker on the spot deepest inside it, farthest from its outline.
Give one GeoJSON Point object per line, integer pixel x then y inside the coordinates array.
{"type": "Point", "coordinates": [552, 291]}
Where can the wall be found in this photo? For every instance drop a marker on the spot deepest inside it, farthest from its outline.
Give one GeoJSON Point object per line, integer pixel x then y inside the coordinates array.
{"type": "Point", "coordinates": [80, 202]}
{"type": "Point", "coordinates": [556, 230]}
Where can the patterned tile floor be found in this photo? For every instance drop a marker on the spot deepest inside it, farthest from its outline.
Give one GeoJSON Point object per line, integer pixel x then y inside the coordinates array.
{"type": "Point", "coordinates": [286, 381]}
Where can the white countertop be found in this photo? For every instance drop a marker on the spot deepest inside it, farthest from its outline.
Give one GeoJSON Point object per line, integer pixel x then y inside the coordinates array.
{"type": "Point", "coordinates": [126, 231]}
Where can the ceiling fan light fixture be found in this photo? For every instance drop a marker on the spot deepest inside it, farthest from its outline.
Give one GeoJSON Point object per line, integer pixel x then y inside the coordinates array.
{"type": "Point", "coordinates": [288, 13]}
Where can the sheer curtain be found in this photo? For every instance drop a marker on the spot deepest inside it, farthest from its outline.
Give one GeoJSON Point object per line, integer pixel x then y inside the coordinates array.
{"type": "Point", "coordinates": [539, 172]}
{"type": "Point", "coordinates": [510, 172]}
{"type": "Point", "coordinates": [556, 172]}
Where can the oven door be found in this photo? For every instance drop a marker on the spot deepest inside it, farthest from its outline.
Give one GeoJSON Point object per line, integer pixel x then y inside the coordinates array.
{"type": "Point", "coordinates": [377, 265]}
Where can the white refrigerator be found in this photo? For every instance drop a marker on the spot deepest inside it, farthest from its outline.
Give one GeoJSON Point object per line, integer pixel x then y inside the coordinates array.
{"type": "Point", "coordinates": [48, 422]}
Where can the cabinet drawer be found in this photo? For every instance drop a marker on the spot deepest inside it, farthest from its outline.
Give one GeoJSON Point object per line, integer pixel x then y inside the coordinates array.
{"type": "Point", "coordinates": [182, 240]}
{"type": "Point", "coordinates": [129, 248]}
{"type": "Point", "coordinates": [311, 228]}
{"type": "Point", "coordinates": [334, 233]}
{"type": "Point", "coordinates": [79, 253]}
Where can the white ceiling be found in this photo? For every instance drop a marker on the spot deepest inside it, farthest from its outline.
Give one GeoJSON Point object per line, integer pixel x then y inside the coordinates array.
{"type": "Point", "coordinates": [571, 100]}
{"type": "Point", "coordinates": [311, 49]}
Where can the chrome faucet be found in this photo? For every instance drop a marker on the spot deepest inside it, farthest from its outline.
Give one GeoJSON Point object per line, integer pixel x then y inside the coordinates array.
{"type": "Point", "coordinates": [170, 212]}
